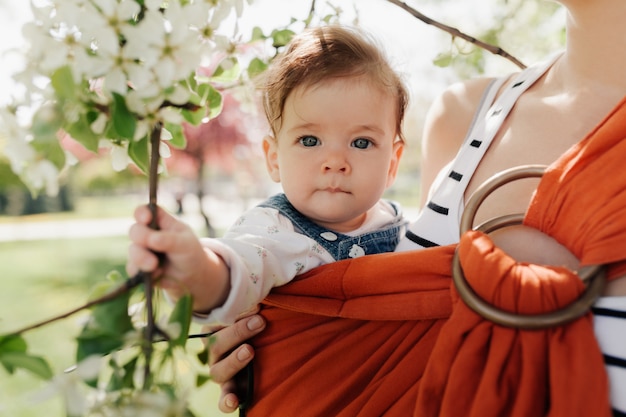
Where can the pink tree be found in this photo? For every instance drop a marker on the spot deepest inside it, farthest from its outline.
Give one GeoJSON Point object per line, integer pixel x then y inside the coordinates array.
{"type": "Point", "coordinates": [214, 143]}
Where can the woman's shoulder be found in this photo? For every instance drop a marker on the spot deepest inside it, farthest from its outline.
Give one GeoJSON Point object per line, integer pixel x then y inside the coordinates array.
{"type": "Point", "coordinates": [455, 107]}
{"type": "Point", "coordinates": [447, 122]}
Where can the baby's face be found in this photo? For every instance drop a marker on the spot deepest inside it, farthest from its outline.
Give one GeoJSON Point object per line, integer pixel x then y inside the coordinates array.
{"type": "Point", "coordinates": [335, 152]}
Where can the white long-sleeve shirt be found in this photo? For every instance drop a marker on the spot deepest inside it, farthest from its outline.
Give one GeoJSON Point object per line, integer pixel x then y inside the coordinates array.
{"type": "Point", "coordinates": [263, 250]}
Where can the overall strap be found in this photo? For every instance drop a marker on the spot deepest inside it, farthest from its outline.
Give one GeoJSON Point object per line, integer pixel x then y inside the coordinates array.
{"type": "Point", "coordinates": [339, 245]}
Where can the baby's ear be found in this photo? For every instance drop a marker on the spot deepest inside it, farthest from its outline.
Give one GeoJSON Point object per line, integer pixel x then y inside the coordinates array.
{"type": "Point", "coordinates": [398, 149]}
{"type": "Point", "coordinates": [270, 150]}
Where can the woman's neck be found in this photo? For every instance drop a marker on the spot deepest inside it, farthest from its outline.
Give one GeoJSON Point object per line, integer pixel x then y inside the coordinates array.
{"type": "Point", "coordinates": [595, 55]}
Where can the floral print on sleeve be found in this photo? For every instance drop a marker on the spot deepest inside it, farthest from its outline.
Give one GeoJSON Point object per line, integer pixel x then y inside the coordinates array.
{"type": "Point", "coordinates": [317, 248]}
{"type": "Point", "coordinates": [254, 278]}
{"type": "Point", "coordinates": [263, 251]}
{"type": "Point", "coordinates": [299, 267]}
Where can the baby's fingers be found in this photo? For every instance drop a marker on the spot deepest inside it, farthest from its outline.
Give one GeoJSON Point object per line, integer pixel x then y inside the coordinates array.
{"type": "Point", "coordinates": [140, 259]}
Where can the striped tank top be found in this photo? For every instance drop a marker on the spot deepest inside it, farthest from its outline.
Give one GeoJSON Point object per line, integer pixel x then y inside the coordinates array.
{"type": "Point", "coordinates": [438, 223]}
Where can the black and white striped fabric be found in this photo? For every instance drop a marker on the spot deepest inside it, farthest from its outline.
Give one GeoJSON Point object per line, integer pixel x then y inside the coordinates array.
{"type": "Point", "coordinates": [610, 327]}
{"type": "Point", "coordinates": [438, 222]}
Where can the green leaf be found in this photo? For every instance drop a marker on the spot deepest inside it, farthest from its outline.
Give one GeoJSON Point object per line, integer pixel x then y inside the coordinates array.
{"type": "Point", "coordinates": [140, 154]}
{"type": "Point", "coordinates": [257, 34]}
{"type": "Point", "coordinates": [81, 132]}
{"type": "Point", "coordinates": [124, 121]}
{"type": "Point", "coordinates": [63, 83]}
{"type": "Point", "coordinates": [178, 137]}
{"type": "Point", "coordinates": [35, 364]}
{"type": "Point", "coordinates": [228, 71]}
{"type": "Point", "coordinates": [47, 121]}
{"type": "Point", "coordinates": [181, 314]}
{"type": "Point", "coordinates": [188, 413]}
{"type": "Point", "coordinates": [281, 37]}
{"type": "Point", "coordinates": [113, 279]}
{"type": "Point", "coordinates": [203, 91]}
{"type": "Point", "coordinates": [215, 102]}
{"type": "Point", "coordinates": [202, 379]}
{"type": "Point", "coordinates": [443, 60]}
{"type": "Point", "coordinates": [12, 343]}
{"type": "Point", "coordinates": [122, 376]}
{"type": "Point", "coordinates": [106, 327]}
{"type": "Point", "coordinates": [51, 148]}
{"type": "Point", "coordinates": [129, 372]}
{"type": "Point", "coordinates": [194, 117]}
{"type": "Point", "coordinates": [257, 66]}
{"type": "Point", "coordinates": [93, 342]}
{"type": "Point", "coordinates": [112, 316]}
{"type": "Point", "coordinates": [329, 18]}
{"type": "Point", "coordinates": [203, 356]}
{"type": "Point", "coordinates": [192, 82]}
{"type": "Point", "coordinates": [13, 356]}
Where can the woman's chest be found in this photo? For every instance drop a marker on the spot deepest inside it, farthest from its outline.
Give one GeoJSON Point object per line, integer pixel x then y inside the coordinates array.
{"type": "Point", "coordinates": [533, 134]}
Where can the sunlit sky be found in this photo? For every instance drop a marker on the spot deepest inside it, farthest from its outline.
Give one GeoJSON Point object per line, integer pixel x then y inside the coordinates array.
{"type": "Point", "coordinates": [411, 44]}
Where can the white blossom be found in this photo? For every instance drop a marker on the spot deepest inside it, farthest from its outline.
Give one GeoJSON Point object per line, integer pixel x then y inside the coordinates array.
{"type": "Point", "coordinates": [164, 150]}
{"type": "Point", "coordinates": [118, 153]}
{"type": "Point", "coordinates": [42, 174]}
{"type": "Point", "coordinates": [101, 33]}
{"type": "Point", "coordinates": [110, 49]}
{"type": "Point", "coordinates": [170, 115]}
{"type": "Point", "coordinates": [36, 172]}
{"type": "Point", "coordinates": [144, 53]}
{"type": "Point", "coordinates": [98, 125]}
{"type": "Point", "coordinates": [152, 404]}
{"type": "Point", "coordinates": [142, 130]}
{"type": "Point", "coordinates": [20, 153]}
{"type": "Point", "coordinates": [71, 386]}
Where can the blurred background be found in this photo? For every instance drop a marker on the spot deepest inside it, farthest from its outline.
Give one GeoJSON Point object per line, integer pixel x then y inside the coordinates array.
{"type": "Point", "coordinates": [53, 249]}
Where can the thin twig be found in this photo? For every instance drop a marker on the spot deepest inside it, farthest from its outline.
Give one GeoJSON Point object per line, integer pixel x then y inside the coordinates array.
{"type": "Point", "coordinates": [312, 9]}
{"type": "Point", "coordinates": [496, 50]}
{"type": "Point", "coordinates": [141, 277]}
{"type": "Point", "coordinates": [149, 331]}
{"type": "Point", "coordinates": [128, 285]}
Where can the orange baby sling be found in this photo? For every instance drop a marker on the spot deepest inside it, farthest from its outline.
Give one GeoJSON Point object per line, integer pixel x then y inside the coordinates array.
{"type": "Point", "coordinates": [388, 335]}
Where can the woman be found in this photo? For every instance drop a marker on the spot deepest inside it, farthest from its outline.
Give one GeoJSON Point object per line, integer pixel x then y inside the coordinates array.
{"type": "Point", "coordinates": [567, 101]}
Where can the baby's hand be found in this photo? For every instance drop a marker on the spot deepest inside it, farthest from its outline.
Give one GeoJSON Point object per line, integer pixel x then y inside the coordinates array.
{"type": "Point", "coordinates": [186, 266]}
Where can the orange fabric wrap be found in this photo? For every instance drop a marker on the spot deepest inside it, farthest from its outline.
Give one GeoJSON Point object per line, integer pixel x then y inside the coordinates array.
{"type": "Point", "coordinates": [581, 200]}
{"type": "Point", "coordinates": [352, 338]}
{"type": "Point", "coordinates": [387, 335]}
{"type": "Point", "coordinates": [489, 370]}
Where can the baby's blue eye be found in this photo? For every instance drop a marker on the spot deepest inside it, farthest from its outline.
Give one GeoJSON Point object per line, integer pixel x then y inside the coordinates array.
{"type": "Point", "coordinates": [361, 143]}
{"type": "Point", "coordinates": [309, 141]}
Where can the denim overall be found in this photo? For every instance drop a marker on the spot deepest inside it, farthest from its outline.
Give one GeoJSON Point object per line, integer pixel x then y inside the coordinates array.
{"type": "Point", "coordinates": [341, 246]}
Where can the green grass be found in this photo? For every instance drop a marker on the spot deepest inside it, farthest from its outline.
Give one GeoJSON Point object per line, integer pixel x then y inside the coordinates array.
{"type": "Point", "coordinates": [88, 208]}
{"type": "Point", "coordinates": [41, 279]}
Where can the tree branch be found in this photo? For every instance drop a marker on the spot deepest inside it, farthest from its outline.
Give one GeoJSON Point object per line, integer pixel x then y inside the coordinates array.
{"type": "Point", "coordinates": [122, 289]}
{"type": "Point", "coordinates": [149, 331]}
{"type": "Point", "coordinates": [454, 32]}
{"type": "Point", "coordinates": [134, 281]}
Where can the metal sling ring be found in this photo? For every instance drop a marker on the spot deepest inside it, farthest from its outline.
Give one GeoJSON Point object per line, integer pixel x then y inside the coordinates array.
{"type": "Point", "coordinates": [593, 275]}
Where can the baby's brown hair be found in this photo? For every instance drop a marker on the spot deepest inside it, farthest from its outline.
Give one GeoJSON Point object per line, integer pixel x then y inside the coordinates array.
{"type": "Point", "coordinates": [327, 52]}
